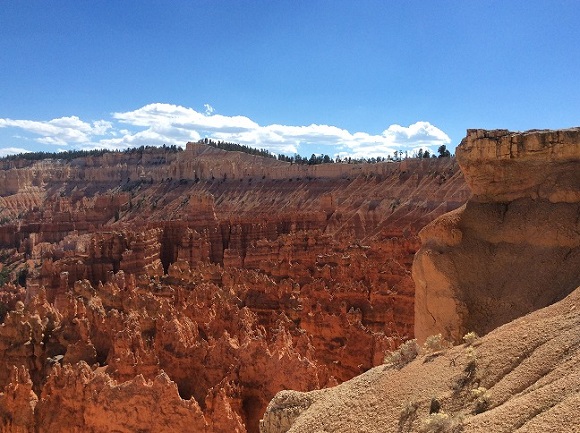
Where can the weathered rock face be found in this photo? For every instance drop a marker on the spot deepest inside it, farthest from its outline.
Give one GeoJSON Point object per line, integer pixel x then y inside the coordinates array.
{"type": "Point", "coordinates": [515, 246]}
{"type": "Point", "coordinates": [502, 166]}
{"type": "Point", "coordinates": [204, 280]}
{"type": "Point", "coordinates": [86, 400]}
{"type": "Point", "coordinates": [523, 376]}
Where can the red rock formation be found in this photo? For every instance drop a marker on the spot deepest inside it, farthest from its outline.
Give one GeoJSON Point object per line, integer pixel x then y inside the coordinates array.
{"type": "Point", "coordinates": [226, 276]}
{"type": "Point", "coordinates": [77, 398]}
{"type": "Point", "coordinates": [18, 402]}
{"type": "Point", "coordinates": [511, 249]}
{"type": "Point", "coordinates": [523, 376]}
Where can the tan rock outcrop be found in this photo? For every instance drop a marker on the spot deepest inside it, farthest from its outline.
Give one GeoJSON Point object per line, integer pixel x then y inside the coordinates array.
{"type": "Point", "coordinates": [502, 166]}
{"type": "Point", "coordinates": [514, 247]}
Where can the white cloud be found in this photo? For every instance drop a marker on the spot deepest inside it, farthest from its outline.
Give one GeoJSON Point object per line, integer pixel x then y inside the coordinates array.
{"type": "Point", "coordinates": [416, 133]}
{"type": "Point", "coordinates": [100, 127]}
{"type": "Point", "coordinates": [61, 131]}
{"type": "Point", "coordinates": [175, 115]}
{"type": "Point", "coordinates": [154, 136]}
{"type": "Point", "coordinates": [158, 123]}
{"type": "Point", "coordinates": [11, 151]}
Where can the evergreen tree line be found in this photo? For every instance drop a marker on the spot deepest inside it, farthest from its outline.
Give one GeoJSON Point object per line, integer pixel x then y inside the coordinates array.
{"type": "Point", "coordinates": [325, 159]}
{"type": "Point", "coordinates": [322, 159]}
{"type": "Point", "coordinates": [236, 147]}
{"type": "Point", "coordinates": [69, 155]}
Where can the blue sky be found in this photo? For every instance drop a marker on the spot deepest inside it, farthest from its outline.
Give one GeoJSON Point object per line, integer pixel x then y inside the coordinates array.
{"type": "Point", "coordinates": [362, 78]}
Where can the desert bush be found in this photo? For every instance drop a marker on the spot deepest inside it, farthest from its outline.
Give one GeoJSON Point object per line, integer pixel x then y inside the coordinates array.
{"type": "Point", "coordinates": [478, 392]}
{"type": "Point", "coordinates": [435, 343]}
{"type": "Point", "coordinates": [408, 414]}
{"type": "Point", "coordinates": [470, 338]}
{"type": "Point", "coordinates": [483, 399]}
{"type": "Point", "coordinates": [441, 423]}
{"type": "Point", "coordinates": [468, 374]}
{"type": "Point", "coordinates": [471, 357]}
{"type": "Point", "coordinates": [404, 354]}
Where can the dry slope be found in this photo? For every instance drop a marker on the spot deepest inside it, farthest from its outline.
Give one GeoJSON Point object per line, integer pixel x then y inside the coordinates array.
{"type": "Point", "coordinates": [521, 377]}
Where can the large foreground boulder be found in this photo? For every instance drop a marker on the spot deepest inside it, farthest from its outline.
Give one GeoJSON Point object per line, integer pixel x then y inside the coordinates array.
{"type": "Point", "coordinates": [514, 247]}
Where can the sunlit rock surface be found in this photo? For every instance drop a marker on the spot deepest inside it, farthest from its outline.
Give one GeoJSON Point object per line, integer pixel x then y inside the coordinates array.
{"type": "Point", "coordinates": [195, 285]}
{"type": "Point", "coordinates": [515, 246]}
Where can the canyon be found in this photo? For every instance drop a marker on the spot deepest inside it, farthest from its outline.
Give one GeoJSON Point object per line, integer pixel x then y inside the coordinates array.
{"type": "Point", "coordinates": [164, 290]}
{"type": "Point", "coordinates": [216, 291]}
{"type": "Point", "coordinates": [506, 266]}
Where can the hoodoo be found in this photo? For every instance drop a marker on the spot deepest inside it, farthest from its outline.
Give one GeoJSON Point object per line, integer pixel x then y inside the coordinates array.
{"type": "Point", "coordinates": [505, 265]}
{"type": "Point", "coordinates": [158, 289]}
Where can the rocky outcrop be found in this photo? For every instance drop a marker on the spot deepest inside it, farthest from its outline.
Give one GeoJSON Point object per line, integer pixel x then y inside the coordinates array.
{"type": "Point", "coordinates": [77, 398]}
{"type": "Point", "coordinates": [523, 376]}
{"type": "Point", "coordinates": [230, 275]}
{"type": "Point", "coordinates": [502, 166]}
{"type": "Point", "coordinates": [515, 246]}
{"type": "Point", "coordinates": [17, 403]}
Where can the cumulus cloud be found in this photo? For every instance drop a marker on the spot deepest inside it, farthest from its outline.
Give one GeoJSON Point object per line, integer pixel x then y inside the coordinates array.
{"type": "Point", "coordinates": [61, 131]}
{"type": "Point", "coordinates": [153, 136]}
{"type": "Point", "coordinates": [188, 118]}
{"type": "Point", "coordinates": [11, 151]}
{"type": "Point", "coordinates": [158, 123]}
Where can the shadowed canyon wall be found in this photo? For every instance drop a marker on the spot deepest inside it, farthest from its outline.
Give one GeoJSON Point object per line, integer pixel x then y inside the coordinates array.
{"type": "Point", "coordinates": [171, 291]}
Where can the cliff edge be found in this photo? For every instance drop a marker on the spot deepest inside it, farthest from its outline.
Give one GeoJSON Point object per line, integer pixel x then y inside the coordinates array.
{"type": "Point", "coordinates": [506, 264]}
{"type": "Point", "coordinates": [502, 166]}
{"type": "Point", "coordinates": [514, 247]}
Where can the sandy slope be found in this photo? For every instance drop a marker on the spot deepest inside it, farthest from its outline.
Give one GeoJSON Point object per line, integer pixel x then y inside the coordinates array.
{"type": "Point", "coordinates": [530, 369]}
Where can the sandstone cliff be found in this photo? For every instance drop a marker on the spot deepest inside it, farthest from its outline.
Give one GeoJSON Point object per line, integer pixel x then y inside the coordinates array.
{"type": "Point", "coordinates": [195, 285]}
{"type": "Point", "coordinates": [515, 246]}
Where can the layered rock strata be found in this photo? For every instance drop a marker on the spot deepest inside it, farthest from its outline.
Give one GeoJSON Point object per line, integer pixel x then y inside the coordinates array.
{"type": "Point", "coordinates": [515, 246]}
{"type": "Point", "coordinates": [203, 280]}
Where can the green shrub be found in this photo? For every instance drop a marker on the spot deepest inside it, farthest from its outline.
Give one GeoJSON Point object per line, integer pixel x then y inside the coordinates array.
{"type": "Point", "coordinates": [468, 374]}
{"type": "Point", "coordinates": [483, 399]}
{"type": "Point", "coordinates": [435, 343]}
